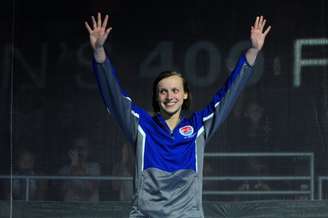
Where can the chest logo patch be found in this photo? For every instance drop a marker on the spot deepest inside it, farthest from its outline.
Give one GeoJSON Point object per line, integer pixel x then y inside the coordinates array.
{"type": "Point", "coordinates": [186, 130]}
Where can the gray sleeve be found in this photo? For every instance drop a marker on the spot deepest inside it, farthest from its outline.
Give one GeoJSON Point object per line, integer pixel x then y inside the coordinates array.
{"type": "Point", "coordinates": [117, 103]}
{"type": "Point", "coordinates": [222, 102]}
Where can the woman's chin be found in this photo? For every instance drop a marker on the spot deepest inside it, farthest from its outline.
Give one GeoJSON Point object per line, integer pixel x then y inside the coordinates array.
{"type": "Point", "coordinates": [170, 111]}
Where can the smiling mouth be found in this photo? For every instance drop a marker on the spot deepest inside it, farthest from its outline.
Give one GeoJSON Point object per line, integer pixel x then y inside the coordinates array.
{"type": "Point", "coordinates": [170, 104]}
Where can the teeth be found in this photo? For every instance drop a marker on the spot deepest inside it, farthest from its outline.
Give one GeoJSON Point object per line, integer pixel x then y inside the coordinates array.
{"type": "Point", "coordinates": [170, 104]}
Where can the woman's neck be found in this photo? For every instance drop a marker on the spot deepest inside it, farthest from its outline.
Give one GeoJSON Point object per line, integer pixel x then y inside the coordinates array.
{"type": "Point", "coordinates": [172, 120]}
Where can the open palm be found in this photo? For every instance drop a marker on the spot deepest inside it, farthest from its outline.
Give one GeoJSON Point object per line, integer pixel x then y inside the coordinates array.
{"type": "Point", "coordinates": [98, 33]}
{"type": "Point", "coordinates": [257, 34]}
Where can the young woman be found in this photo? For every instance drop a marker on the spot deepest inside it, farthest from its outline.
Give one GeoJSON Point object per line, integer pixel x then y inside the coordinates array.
{"type": "Point", "coordinates": [169, 147]}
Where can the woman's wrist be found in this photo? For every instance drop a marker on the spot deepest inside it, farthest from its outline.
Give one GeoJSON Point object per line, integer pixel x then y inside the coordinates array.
{"type": "Point", "coordinates": [99, 54]}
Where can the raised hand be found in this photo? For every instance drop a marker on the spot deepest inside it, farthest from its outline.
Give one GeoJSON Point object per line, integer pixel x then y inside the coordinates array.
{"type": "Point", "coordinates": [99, 31]}
{"type": "Point", "coordinates": [257, 34]}
{"type": "Point", "coordinates": [257, 39]}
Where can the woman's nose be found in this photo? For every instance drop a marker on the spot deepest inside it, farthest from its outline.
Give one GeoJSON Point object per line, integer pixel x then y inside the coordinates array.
{"type": "Point", "coordinates": [169, 95]}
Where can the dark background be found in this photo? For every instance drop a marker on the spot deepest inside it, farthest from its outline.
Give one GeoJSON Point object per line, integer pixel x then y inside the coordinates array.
{"type": "Point", "coordinates": [49, 96]}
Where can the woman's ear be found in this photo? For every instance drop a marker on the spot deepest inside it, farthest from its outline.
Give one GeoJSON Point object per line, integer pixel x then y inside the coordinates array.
{"type": "Point", "coordinates": [185, 95]}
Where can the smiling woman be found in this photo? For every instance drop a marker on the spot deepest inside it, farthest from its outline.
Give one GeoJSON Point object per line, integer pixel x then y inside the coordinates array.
{"type": "Point", "coordinates": [185, 88]}
{"type": "Point", "coordinates": [169, 146]}
{"type": "Point", "coordinates": [170, 97]}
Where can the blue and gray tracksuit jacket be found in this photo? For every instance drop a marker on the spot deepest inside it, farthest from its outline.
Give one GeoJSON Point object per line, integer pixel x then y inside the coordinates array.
{"type": "Point", "coordinates": [169, 164]}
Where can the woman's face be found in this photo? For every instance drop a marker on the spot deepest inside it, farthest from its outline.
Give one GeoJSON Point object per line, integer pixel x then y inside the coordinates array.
{"type": "Point", "coordinates": [171, 95]}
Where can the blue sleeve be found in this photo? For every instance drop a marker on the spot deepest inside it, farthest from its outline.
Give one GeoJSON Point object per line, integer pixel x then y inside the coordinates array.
{"type": "Point", "coordinates": [222, 102]}
{"type": "Point", "coordinates": [116, 101]}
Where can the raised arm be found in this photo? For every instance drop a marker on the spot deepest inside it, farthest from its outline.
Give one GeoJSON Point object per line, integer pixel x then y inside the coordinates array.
{"type": "Point", "coordinates": [117, 102]}
{"type": "Point", "coordinates": [98, 35]}
{"type": "Point", "coordinates": [222, 102]}
{"type": "Point", "coordinates": [257, 38]}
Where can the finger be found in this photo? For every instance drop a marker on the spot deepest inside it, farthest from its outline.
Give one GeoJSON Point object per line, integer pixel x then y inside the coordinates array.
{"type": "Point", "coordinates": [267, 30]}
{"type": "Point", "coordinates": [94, 22]}
{"type": "Point", "coordinates": [261, 20]}
{"type": "Point", "coordinates": [256, 23]}
{"type": "Point", "coordinates": [107, 32]}
{"type": "Point", "coordinates": [105, 21]}
{"type": "Point", "coordinates": [88, 27]}
{"type": "Point", "coordinates": [260, 27]}
{"type": "Point", "coordinates": [252, 29]}
{"type": "Point", "coordinates": [99, 20]}
{"type": "Point", "coordinates": [263, 23]}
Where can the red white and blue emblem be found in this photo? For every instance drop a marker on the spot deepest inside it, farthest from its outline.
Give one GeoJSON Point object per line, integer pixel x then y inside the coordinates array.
{"type": "Point", "coordinates": [186, 130]}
